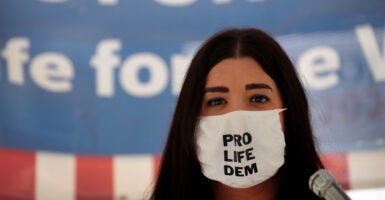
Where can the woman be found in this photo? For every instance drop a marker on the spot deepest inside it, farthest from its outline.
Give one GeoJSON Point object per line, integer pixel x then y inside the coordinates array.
{"type": "Point", "coordinates": [234, 71]}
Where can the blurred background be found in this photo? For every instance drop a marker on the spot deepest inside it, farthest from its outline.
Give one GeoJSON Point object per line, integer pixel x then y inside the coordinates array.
{"type": "Point", "coordinates": [88, 87]}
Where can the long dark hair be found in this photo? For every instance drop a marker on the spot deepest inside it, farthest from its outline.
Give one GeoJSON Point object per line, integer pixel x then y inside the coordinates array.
{"type": "Point", "coordinates": [180, 174]}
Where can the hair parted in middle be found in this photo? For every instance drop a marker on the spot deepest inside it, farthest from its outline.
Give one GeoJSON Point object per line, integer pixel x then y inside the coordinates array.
{"type": "Point", "coordinates": [180, 174]}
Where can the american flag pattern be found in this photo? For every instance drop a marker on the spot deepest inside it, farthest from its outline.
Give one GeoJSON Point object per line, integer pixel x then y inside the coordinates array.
{"type": "Point", "coordinates": [48, 175]}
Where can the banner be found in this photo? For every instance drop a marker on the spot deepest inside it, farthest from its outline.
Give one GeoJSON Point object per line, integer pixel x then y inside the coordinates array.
{"type": "Point", "coordinates": [102, 77]}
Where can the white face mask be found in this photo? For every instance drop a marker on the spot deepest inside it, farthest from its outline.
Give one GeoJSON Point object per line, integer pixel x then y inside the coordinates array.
{"type": "Point", "coordinates": [241, 148]}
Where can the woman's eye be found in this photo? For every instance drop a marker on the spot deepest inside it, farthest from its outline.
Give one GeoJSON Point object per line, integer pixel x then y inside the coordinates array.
{"type": "Point", "coordinates": [216, 101]}
{"type": "Point", "coordinates": [258, 98]}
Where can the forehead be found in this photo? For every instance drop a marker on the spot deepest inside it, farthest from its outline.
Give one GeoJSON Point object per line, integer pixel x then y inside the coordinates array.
{"type": "Point", "coordinates": [237, 70]}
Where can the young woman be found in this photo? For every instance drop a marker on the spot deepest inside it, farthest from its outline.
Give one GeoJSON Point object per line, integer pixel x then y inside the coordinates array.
{"type": "Point", "coordinates": [241, 127]}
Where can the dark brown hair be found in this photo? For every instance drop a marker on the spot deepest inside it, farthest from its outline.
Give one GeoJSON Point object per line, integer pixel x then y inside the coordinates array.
{"type": "Point", "coordinates": [180, 174]}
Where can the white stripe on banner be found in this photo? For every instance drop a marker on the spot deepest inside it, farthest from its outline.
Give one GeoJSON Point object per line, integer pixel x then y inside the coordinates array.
{"type": "Point", "coordinates": [55, 176]}
{"type": "Point", "coordinates": [366, 169]}
{"type": "Point", "coordinates": [133, 177]}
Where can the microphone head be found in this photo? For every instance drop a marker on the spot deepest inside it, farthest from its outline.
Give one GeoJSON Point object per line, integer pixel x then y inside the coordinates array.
{"type": "Point", "coordinates": [321, 181]}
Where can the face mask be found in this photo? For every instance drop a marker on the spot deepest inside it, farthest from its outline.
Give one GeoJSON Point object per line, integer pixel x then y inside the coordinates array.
{"type": "Point", "coordinates": [241, 148]}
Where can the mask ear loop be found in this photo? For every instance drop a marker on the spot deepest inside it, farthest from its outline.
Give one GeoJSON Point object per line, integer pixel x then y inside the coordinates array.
{"type": "Point", "coordinates": [284, 135]}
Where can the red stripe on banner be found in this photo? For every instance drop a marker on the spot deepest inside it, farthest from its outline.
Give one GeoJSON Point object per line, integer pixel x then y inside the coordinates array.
{"type": "Point", "coordinates": [94, 178]}
{"type": "Point", "coordinates": [17, 174]}
{"type": "Point", "coordinates": [157, 160]}
{"type": "Point", "coordinates": [337, 163]}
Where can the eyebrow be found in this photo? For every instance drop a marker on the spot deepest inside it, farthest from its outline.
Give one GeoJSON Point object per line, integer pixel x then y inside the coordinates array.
{"type": "Point", "coordinates": [217, 89]}
{"type": "Point", "coordinates": [252, 86]}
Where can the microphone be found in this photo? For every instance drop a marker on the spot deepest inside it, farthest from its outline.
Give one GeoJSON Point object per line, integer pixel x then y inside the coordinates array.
{"type": "Point", "coordinates": [326, 186]}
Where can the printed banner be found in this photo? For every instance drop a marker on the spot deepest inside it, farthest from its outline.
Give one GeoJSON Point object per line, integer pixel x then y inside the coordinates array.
{"type": "Point", "coordinates": [101, 77]}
